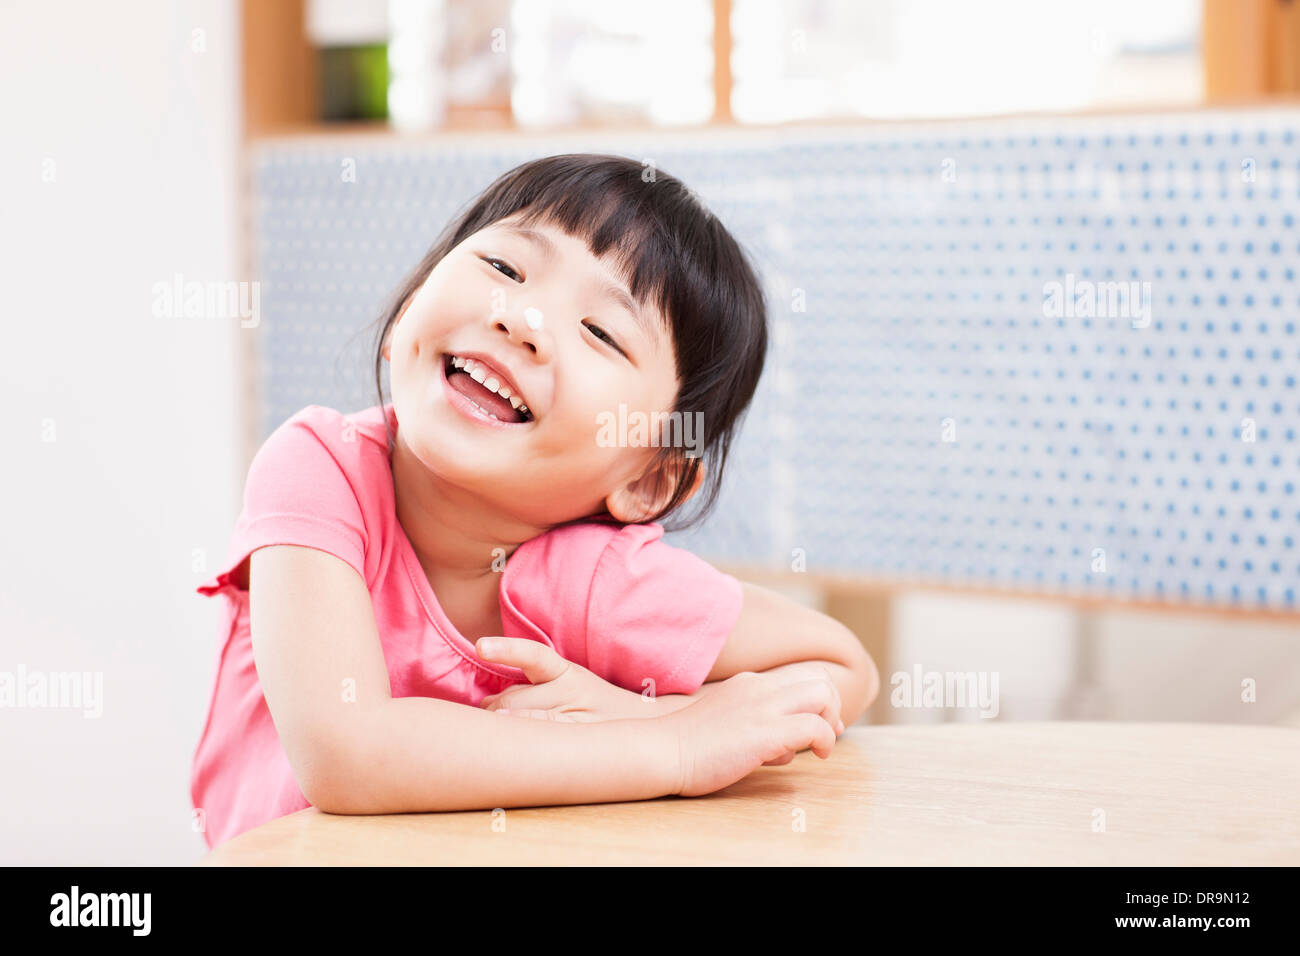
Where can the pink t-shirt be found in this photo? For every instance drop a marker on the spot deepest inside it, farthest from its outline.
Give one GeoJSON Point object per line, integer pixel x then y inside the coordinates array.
{"type": "Point", "coordinates": [614, 598]}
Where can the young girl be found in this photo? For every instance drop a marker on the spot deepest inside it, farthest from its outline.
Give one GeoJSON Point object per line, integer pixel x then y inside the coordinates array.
{"type": "Point", "coordinates": [409, 586]}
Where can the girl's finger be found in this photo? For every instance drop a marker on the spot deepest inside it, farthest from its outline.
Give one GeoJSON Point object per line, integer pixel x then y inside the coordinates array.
{"type": "Point", "coordinates": [809, 671]}
{"type": "Point", "coordinates": [779, 761]}
{"type": "Point", "coordinates": [539, 662]}
{"type": "Point", "coordinates": [808, 730]}
{"type": "Point", "coordinates": [524, 697]}
{"type": "Point", "coordinates": [507, 698]}
{"type": "Point", "coordinates": [817, 670]}
{"type": "Point", "coordinates": [813, 697]}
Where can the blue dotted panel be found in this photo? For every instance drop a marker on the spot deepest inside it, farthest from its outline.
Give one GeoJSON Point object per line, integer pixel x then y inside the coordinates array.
{"type": "Point", "coordinates": [926, 414]}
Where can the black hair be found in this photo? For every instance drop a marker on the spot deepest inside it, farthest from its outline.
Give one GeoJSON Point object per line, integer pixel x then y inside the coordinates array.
{"type": "Point", "coordinates": [671, 251]}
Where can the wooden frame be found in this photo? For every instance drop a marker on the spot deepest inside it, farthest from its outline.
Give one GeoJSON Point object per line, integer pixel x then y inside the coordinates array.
{"type": "Point", "coordinates": [1251, 51]}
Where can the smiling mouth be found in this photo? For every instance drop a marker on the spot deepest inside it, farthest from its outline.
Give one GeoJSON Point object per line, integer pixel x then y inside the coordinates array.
{"type": "Point", "coordinates": [464, 376]}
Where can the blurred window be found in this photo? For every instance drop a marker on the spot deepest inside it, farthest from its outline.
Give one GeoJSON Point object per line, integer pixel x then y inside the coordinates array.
{"type": "Point", "coordinates": [592, 61]}
{"type": "Point", "coordinates": [808, 59]}
{"type": "Point", "coordinates": [560, 63]}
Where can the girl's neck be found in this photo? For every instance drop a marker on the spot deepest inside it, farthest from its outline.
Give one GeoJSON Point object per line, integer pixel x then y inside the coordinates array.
{"type": "Point", "coordinates": [461, 545]}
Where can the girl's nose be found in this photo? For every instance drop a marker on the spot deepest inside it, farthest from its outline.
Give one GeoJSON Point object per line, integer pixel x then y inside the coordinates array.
{"type": "Point", "coordinates": [526, 329]}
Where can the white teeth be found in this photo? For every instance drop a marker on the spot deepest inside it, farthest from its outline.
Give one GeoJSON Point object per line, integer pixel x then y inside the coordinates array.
{"type": "Point", "coordinates": [479, 374]}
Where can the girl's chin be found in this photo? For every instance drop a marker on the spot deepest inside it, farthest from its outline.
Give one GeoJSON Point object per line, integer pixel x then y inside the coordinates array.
{"type": "Point", "coordinates": [448, 448]}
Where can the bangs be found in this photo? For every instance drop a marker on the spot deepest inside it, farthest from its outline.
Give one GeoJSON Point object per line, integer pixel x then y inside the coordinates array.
{"type": "Point", "coordinates": [614, 212]}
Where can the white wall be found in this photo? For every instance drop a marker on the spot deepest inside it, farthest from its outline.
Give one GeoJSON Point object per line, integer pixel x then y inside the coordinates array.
{"type": "Point", "coordinates": [1055, 663]}
{"type": "Point", "coordinates": [1144, 665]}
{"type": "Point", "coordinates": [100, 524]}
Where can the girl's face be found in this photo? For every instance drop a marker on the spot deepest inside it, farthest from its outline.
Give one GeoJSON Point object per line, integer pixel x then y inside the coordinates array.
{"type": "Point", "coordinates": [562, 327]}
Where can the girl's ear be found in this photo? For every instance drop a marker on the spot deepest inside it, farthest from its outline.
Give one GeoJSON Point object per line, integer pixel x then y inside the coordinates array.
{"type": "Point", "coordinates": [636, 501]}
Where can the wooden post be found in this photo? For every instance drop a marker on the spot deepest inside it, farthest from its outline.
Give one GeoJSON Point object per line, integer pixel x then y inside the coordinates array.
{"type": "Point", "coordinates": [866, 612]}
{"type": "Point", "coordinates": [722, 61]}
{"type": "Point", "coordinates": [1283, 27]}
{"type": "Point", "coordinates": [1250, 48]}
{"type": "Point", "coordinates": [279, 69]}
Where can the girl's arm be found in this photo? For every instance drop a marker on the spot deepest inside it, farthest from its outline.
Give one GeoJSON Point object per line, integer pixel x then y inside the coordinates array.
{"type": "Point", "coordinates": [354, 749]}
{"type": "Point", "coordinates": [774, 631]}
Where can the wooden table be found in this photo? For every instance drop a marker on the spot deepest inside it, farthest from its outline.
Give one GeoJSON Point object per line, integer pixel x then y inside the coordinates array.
{"type": "Point", "coordinates": [989, 793]}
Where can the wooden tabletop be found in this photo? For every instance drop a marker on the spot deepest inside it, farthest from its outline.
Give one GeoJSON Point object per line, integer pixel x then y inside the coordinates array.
{"type": "Point", "coordinates": [985, 794]}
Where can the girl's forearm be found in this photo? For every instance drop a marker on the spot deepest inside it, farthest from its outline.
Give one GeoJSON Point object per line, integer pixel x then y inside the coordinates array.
{"type": "Point", "coordinates": [420, 754]}
{"type": "Point", "coordinates": [853, 692]}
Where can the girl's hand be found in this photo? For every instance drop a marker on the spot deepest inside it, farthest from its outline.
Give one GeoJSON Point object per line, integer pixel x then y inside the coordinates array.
{"type": "Point", "coordinates": [557, 689]}
{"type": "Point", "coordinates": [748, 721]}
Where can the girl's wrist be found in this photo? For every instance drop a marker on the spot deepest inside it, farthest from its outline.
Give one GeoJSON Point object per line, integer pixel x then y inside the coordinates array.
{"type": "Point", "coordinates": [669, 703]}
{"type": "Point", "coordinates": [645, 705]}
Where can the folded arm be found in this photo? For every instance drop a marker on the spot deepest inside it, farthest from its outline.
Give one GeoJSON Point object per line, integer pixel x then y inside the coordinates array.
{"type": "Point", "coordinates": [774, 631]}
{"type": "Point", "coordinates": [355, 749]}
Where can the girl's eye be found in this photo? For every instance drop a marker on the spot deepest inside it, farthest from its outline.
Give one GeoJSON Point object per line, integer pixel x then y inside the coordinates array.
{"type": "Point", "coordinates": [601, 333]}
{"type": "Point", "coordinates": [507, 271]}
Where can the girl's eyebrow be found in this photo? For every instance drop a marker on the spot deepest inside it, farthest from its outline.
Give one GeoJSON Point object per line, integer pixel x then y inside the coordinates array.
{"type": "Point", "coordinates": [607, 290]}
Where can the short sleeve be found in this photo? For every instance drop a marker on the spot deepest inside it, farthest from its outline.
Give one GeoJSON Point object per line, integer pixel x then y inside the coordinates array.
{"type": "Point", "coordinates": [657, 612]}
{"type": "Point", "coordinates": [297, 492]}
